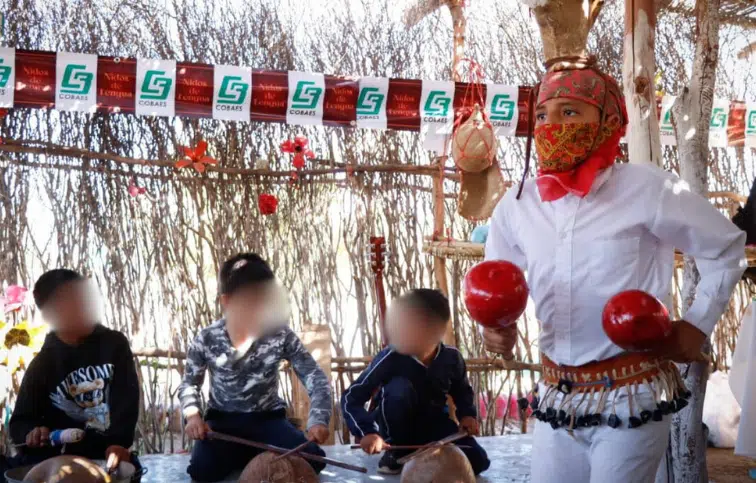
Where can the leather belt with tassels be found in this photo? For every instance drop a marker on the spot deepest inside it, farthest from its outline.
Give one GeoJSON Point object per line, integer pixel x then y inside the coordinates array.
{"type": "Point", "coordinates": [588, 389]}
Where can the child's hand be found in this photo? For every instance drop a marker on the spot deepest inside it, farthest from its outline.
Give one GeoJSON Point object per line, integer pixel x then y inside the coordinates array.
{"type": "Point", "coordinates": [38, 437]}
{"type": "Point", "coordinates": [470, 424]}
{"type": "Point", "coordinates": [373, 443]}
{"type": "Point", "coordinates": [114, 455]}
{"type": "Point", "coordinates": [318, 433]}
{"type": "Point", "coordinates": [196, 428]}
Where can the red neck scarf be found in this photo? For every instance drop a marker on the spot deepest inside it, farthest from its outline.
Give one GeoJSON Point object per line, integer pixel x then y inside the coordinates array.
{"type": "Point", "coordinates": [572, 156]}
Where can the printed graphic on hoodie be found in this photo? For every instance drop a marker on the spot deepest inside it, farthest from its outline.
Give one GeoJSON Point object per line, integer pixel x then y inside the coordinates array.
{"type": "Point", "coordinates": [84, 395]}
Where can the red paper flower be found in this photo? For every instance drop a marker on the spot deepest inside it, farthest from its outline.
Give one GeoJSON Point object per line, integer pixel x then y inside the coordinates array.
{"type": "Point", "coordinates": [267, 203]}
{"type": "Point", "coordinates": [298, 148]}
{"type": "Point", "coordinates": [14, 298]}
{"type": "Point", "coordinates": [195, 157]}
{"type": "Point", "coordinates": [135, 190]}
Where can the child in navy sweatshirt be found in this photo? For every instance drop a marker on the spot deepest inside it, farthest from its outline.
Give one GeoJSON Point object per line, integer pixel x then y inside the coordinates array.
{"type": "Point", "coordinates": [413, 377]}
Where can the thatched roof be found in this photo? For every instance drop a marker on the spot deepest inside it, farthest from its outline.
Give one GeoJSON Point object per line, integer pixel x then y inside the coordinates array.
{"type": "Point", "coordinates": [741, 13]}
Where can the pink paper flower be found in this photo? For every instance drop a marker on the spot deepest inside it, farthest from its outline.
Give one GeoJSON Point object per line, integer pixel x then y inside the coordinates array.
{"type": "Point", "coordinates": [14, 298]}
{"type": "Point", "coordinates": [135, 190]}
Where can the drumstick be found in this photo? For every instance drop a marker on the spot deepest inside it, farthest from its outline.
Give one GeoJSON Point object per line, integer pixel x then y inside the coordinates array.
{"type": "Point", "coordinates": [406, 446]}
{"type": "Point", "coordinates": [434, 445]}
{"type": "Point", "coordinates": [290, 452]}
{"type": "Point", "coordinates": [276, 449]}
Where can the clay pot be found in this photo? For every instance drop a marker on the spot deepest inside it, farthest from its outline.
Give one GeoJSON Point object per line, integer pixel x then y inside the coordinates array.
{"type": "Point", "coordinates": [474, 143]}
{"type": "Point", "coordinates": [636, 321]}
{"type": "Point", "coordinates": [67, 469]}
{"type": "Point", "coordinates": [288, 470]}
{"type": "Point", "coordinates": [495, 293]}
{"type": "Point", "coordinates": [447, 464]}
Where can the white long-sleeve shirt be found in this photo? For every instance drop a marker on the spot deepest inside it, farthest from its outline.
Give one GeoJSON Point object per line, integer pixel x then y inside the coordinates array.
{"type": "Point", "coordinates": [579, 252]}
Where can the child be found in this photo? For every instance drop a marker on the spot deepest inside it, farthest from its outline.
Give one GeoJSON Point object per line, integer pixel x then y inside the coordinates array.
{"type": "Point", "coordinates": [243, 353]}
{"type": "Point", "coordinates": [414, 375]}
{"type": "Point", "coordinates": [84, 377]}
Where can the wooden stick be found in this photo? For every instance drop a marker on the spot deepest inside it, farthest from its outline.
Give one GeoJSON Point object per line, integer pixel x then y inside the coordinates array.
{"type": "Point", "coordinates": [432, 446]}
{"type": "Point", "coordinates": [276, 449]}
{"type": "Point", "coordinates": [290, 452]}
{"type": "Point", "coordinates": [407, 446]}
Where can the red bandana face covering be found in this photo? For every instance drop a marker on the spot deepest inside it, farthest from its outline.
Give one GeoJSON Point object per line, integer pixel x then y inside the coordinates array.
{"type": "Point", "coordinates": [571, 155]}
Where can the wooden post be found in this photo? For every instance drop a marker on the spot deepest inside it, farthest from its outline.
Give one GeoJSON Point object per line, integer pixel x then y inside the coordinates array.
{"type": "Point", "coordinates": [317, 341]}
{"type": "Point", "coordinates": [691, 115]}
{"type": "Point", "coordinates": [638, 74]}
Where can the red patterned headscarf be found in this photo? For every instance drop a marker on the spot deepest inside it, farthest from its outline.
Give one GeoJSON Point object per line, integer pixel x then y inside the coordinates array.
{"type": "Point", "coordinates": [598, 146]}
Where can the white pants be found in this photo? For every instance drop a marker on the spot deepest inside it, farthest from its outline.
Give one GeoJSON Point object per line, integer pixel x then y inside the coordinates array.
{"type": "Point", "coordinates": [601, 454]}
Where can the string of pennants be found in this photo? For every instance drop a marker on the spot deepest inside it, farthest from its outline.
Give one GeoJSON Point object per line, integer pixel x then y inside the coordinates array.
{"type": "Point", "coordinates": [146, 87]}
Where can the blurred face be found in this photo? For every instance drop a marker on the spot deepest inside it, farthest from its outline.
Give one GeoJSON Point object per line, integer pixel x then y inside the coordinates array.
{"type": "Point", "coordinates": [410, 331]}
{"type": "Point", "coordinates": [257, 307]}
{"type": "Point", "coordinates": [73, 307]}
{"type": "Point", "coordinates": [566, 111]}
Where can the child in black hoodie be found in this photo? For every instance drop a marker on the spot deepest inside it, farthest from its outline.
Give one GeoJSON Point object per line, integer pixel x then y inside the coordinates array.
{"type": "Point", "coordinates": [83, 377]}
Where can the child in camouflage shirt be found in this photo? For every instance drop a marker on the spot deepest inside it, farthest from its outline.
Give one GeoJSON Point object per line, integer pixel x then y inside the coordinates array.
{"type": "Point", "coordinates": [243, 352]}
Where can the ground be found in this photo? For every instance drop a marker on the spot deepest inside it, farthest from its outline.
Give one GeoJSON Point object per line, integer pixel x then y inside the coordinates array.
{"type": "Point", "coordinates": [510, 462]}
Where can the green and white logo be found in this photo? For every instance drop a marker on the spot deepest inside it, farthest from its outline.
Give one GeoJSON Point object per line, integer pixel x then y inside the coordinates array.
{"type": "Point", "coordinates": [156, 85]}
{"type": "Point", "coordinates": [718, 117]}
{"type": "Point", "coordinates": [502, 108]}
{"type": "Point", "coordinates": [370, 101]}
{"type": "Point", "coordinates": [306, 95]}
{"type": "Point", "coordinates": [5, 74]}
{"type": "Point", "coordinates": [751, 123]}
{"type": "Point", "coordinates": [233, 90]}
{"type": "Point", "coordinates": [667, 120]}
{"type": "Point", "coordinates": [76, 80]}
{"type": "Point", "coordinates": [437, 104]}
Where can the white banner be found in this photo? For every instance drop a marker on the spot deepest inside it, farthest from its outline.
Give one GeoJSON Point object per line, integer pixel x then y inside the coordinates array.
{"type": "Point", "coordinates": [156, 87]}
{"type": "Point", "coordinates": [501, 107]}
{"type": "Point", "coordinates": [76, 82]}
{"type": "Point", "coordinates": [666, 130]}
{"type": "Point", "coordinates": [306, 94]}
{"type": "Point", "coordinates": [750, 125]}
{"type": "Point", "coordinates": [720, 115]}
{"type": "Point", "coordinates": [371, 103]}
{"type": "Point", "coordinates": [436, 114]}
{"type": "Point", "coordinates": [7, 76]}
{"type": "Point", "coordinates": [232, 92]}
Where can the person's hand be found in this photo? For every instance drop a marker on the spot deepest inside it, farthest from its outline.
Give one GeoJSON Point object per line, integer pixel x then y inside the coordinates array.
{"type": "Point", "coordinates": [684, 343]}
{"type": "Point", "coordinates": [114, 455]}
{"type": "Point", "coordinates": [501, 340]}
{"type": "Point", "coordinates": [318, 433]}
{"type": "Point", "coordinates": [373, 444]}
{"type": "Point", "coordinates": [196, 428]}
{"type": "Point", "coordinates": [38, 437]}
{"type": "Point", "coordinates": [470, 424]}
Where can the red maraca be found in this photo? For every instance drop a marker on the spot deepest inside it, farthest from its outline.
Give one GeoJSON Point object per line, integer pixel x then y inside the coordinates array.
{"type": "Point", "coordinates": [636, 321]}
{"type": "Point", "coordinates": [495, 293]}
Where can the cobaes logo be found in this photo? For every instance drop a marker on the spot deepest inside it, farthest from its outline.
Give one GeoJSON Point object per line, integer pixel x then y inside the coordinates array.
{"type": "Point", "coordinates": [751, 123]}
{"type": "Point", "coordinates": [718, 117]}
{"type": "Point", "coordinates": [502, 108]}
{"type": "Point", "coordinates": [305, 99]}
{"type": "Point", "coordinates": [370, 102]}
{"type": "Point", "coordinates": [232, 94]}
{"type": "Point", "coordinates": [76, 83]}
{"type": "Point", "coordinates": [5, 74]}
{"type": "Point", "coordinates": [437, 105]}
{"type": "Point", "coordinates": [155, 88]}
{"type": "Point", "coordinates": [666, 122]}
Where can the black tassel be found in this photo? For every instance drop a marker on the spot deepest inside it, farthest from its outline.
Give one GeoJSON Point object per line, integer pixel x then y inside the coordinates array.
{"type": "Point", "coordinates": [534, 403]}
{"type": "Point", "coordinates": [554, 424]}
{"type": "Point", "coordinates": [634, 422]}
{"type": "Point", "coordinates": [614, 421]}
{"type": "Point", "coordinates": [663, 407]}
{"type": "Point", "coordinates": [645, 415]}
{"type": "Point", "coordinates": [596, 419]}
{"type": "Point", "coordinates": [681, 404]}
{"type": "Point", "coordinates": [568, 421]}
{"type": "Point", "coordinates": [672, 406]}
{"type": "Point", "coordinates": [658, 415]}
{"type": "Point", "coordinates": [550, 414]}
{"type": "Point", "coordinates": [561, 415]}
{"type": "Point", "coordinates": [538, 414]}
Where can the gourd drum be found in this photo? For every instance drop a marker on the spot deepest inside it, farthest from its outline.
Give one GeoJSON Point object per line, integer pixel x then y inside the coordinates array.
{"type": "Point", "coordinates": [447, 464]}
{"type": "Point", "coordinates": [287, 470]}
{"type": "Point", "coordinates": [70, 469]}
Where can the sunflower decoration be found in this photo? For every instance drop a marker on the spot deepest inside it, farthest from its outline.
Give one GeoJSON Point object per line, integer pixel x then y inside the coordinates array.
{"type": "Point", "coordinates": [20, 343]}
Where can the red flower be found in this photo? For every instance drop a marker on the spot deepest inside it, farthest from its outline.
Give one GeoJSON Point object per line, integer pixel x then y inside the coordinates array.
{"type": "Point", "coordinates": [14, 298]}
{"type": "Point", "coordinates": [135, 190]}
{"type": "Point", "coordinates": [298, 148]}
{"type": "Point", "coordinates": [267, 203]}
{"type": "Point", "coordinates": [195, 157]}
